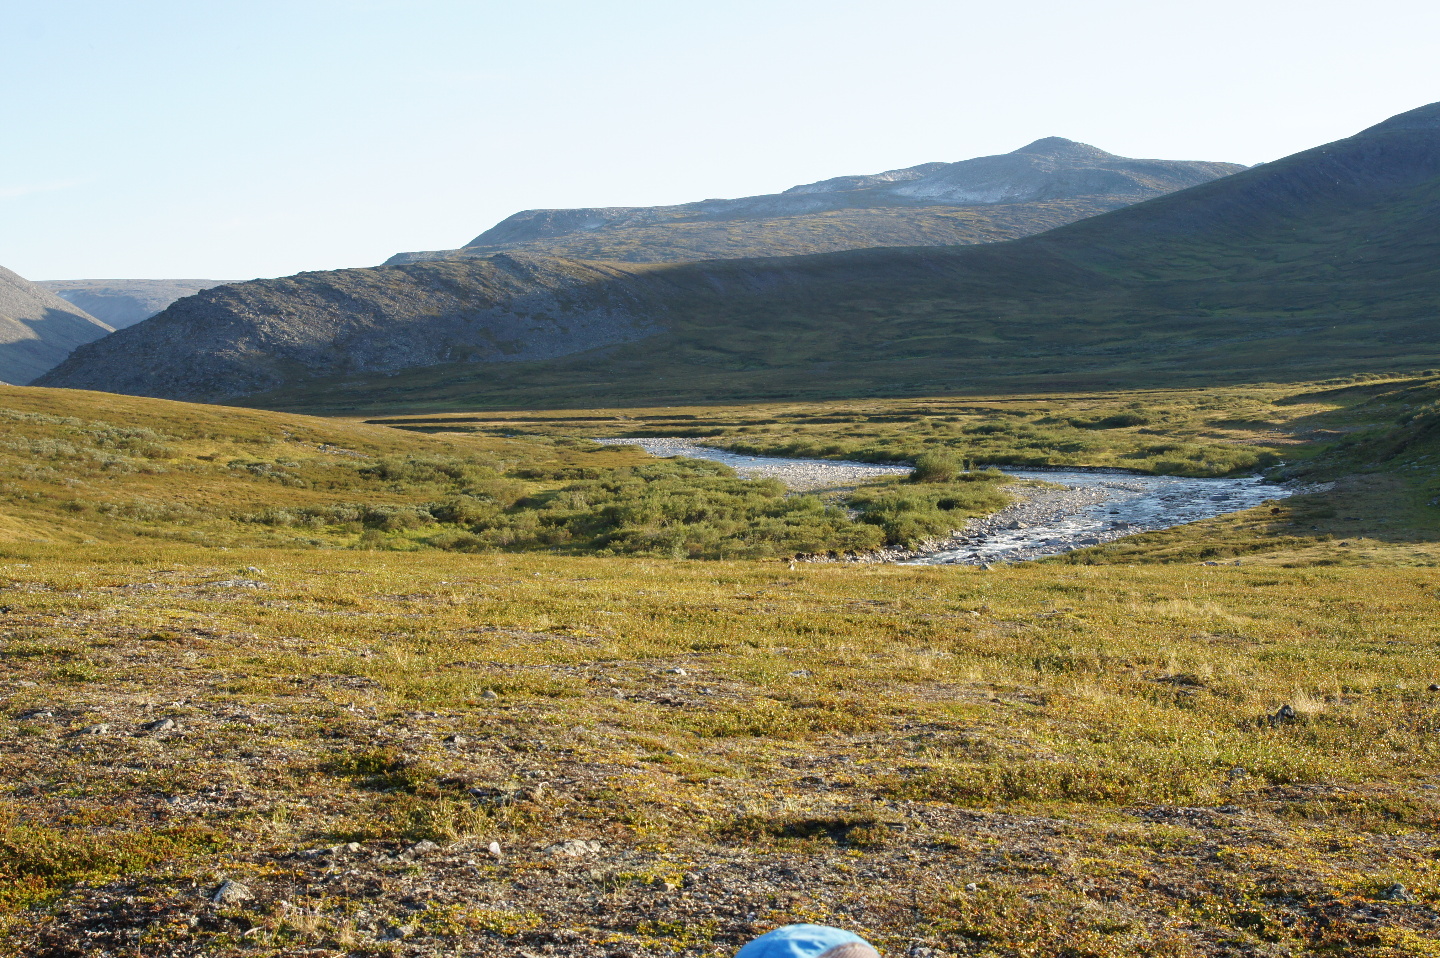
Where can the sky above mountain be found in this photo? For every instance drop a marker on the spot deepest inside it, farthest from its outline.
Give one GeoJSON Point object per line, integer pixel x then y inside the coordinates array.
{"type": "Point", "coordinates": [161, 139]}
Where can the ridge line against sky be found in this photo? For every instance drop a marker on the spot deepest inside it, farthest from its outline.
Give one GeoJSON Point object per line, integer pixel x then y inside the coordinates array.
{"type": "Point", "coordinates": [162, 139]}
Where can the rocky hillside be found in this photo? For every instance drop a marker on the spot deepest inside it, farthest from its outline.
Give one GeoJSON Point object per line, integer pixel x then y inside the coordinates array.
{"type": "Point", "coordinates": [124, 302]}
{"type": "Point", "coordinates": [244, 338]}
{"type": "Point", "coordinates": [38, 328]}
{"type": "Point", "coordinates": [1318, 264]}
{"type": "Point", "coordinates": [1037, 187]}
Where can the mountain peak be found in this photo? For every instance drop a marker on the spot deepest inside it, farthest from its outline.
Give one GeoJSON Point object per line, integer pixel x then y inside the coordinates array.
{"type": "Point", "coordinates": [1060, 148]}
{"type": "Point", "coordinates": [1422, 118]}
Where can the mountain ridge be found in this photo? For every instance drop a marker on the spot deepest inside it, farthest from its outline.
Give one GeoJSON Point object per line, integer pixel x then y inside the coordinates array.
{"type": "Point", "coordinates": [1314, 265]}
{"type": "Point", "coordinates": [1034, 188]}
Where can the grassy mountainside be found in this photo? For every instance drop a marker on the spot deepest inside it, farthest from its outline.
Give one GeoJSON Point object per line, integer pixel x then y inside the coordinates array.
{"type": "Point", "coordinates": [1318, 264]}
{"type": "Point", "coordinates": [1155, 758]}
{"type": "Point", "coordinates": [1037, 187]}
{"type": "Point", "coordinates": [38, 328]}
{"type": "Point", "coordinates": [826, 231]}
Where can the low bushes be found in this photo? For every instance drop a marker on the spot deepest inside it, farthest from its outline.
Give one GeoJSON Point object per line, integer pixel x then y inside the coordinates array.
{"type": "Point", "coordinates": [909, 513]}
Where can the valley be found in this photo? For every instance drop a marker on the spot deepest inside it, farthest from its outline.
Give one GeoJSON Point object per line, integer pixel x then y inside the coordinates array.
{"type": "Point", "coordinates": [1034, 554]}
{"type": "Point", "coordinates": [418, 653]}
{"type": "Point", "coordinates": [260, 697]}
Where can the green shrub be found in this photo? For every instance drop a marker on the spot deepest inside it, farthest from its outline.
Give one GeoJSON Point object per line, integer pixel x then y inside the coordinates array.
{"type": "Point", "coordinates": [909, 514]}
{"type": "Point", "coordinates": [938, 465]}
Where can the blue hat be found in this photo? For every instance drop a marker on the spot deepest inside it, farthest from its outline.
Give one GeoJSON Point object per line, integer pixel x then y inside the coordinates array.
{"type": "Point", "coordinates": [799, 941]}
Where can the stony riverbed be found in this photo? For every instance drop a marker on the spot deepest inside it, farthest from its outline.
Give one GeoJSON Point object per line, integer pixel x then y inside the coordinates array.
{"type": "Point", "coordinates": [1055, 510]}
{"type": "Point", "coordinates": [801, 475]}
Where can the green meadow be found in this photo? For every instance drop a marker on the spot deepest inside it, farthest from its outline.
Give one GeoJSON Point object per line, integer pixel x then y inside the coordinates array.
{"type": "Point", "coordinates": [330, 662]}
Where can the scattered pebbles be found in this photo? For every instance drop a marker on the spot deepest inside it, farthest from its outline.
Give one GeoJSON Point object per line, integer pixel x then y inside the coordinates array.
{"type": "Point", "coordinates": [574, 848]}
{"type": "Point", "coordinates": [231, 892]}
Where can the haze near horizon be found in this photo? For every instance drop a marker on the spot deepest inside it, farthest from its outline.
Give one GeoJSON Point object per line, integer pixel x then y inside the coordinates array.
{"type": "Point", "coordinates": [169, 140]}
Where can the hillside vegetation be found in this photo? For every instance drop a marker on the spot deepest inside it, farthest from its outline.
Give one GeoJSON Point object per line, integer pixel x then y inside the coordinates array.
{"type": "Point", "coordinates": [178, 472]}
{"type": "Point", "coordinates": [1319, 264]}
{"type": "Point", "coordinates": [226, 737]}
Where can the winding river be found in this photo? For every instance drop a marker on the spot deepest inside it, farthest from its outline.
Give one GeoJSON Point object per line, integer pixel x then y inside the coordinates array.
{"type": "Point", "coordinates": [1055, 510]}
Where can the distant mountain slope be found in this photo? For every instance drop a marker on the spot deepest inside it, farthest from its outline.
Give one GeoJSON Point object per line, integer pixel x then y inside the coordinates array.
{"type": "Point", "coordinates": [38, 328]}
{"type": "Point", "coordinates": [124, 302]}
{"type": "Point", "coordinates": [1037, 187]}
{"type": "Point", "coordinates": [243, 338]}
{"type": "Point", "coordinates": [1321, 263]}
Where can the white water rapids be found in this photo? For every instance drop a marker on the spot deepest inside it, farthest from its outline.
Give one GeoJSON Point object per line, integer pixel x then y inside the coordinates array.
{"type": "Point", "coordinates": [1088, 507]}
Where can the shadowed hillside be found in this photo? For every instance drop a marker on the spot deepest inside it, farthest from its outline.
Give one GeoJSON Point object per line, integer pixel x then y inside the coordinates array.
{"type": "Point", "coordinates": [124, 302]}
{"type": "Point", "coordinates": [1320, 263]}
{"type": "Point", "coordinates": [38, 328]}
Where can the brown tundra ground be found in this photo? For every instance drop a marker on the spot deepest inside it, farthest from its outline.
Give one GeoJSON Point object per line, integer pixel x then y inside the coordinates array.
{"type": "Point", "coordinates": [224, 737]}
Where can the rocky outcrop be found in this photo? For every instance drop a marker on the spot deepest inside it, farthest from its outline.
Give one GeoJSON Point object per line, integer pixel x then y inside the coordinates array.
{"type": "Point", "coordinates": [1048, 183]}
{"type": "Point", "coordinates": [38, 329]}
{"type": "Point", "coordinates": [124, 302]}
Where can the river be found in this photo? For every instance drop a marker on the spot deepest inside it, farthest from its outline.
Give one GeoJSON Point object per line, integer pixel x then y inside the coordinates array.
{"type": "Point", "coordinates": [1055, 510]}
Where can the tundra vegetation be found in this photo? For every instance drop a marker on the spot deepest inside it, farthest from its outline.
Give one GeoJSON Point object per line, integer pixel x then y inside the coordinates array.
{"type": "Point", "coordinates": [274, 684]}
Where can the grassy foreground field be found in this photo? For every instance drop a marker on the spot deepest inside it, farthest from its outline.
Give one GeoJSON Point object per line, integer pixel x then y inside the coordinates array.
{"type": "Point", "coordinates": [326, 731]}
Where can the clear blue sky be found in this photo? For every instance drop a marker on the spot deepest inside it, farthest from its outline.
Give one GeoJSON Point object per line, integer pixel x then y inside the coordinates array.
{"type": "Point", "coordinates": [226, 140]}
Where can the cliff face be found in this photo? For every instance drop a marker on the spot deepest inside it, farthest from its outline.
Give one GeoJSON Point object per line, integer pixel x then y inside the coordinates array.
{"type": "Point", "coordinates": [1040, 186]}
{"type": "Point", "coordinates": [38, 329]}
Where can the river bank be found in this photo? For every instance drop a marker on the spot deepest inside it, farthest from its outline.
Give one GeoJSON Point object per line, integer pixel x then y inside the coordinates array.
{"type": "Point", "coordinates": [1055, 510]}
